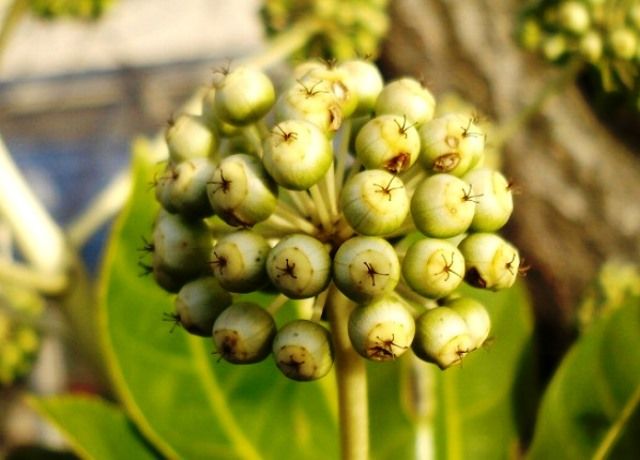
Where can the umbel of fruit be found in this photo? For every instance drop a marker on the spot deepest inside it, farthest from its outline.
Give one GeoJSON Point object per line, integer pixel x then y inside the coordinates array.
{"type": "Point", "coordinates": [334, 184]}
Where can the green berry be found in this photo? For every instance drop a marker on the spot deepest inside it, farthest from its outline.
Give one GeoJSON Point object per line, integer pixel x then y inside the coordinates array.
{"type": "Point", "coordinates": [338, 84]}
{"type": "Point", "coordinates": [442, 337]}
{"type": "Point", "coordinates": [407, 97]}
{"type": "Point", "coordinates": [238, 261]}
{"type": "Point", "coordinates": [366, 267]}
{"type": "Point", "coordinates": [476, 317]}
{"type": "Point", "coordinates": [188, 137]}
{"type": "Point", "coordinates": [374, 202]}
{"type": "Point", "coordinates": [364, 78]}
{"type": "Point", "coordinates": [212, 119]}
{"type": "Point", "coordinates": [494, 202]}
{"type": "Point", "coordinates": [310, 100]}
{"type": "Point", "coordinates": [574, 17]}
{"type": "Point", "coordinates": [381, 330]}
{"type": "Point", "coordinates": [183, 188]}
{"type": "Point", "coordinates": [388, 142]}
{"type": "Point", "coordinates": [433, 268]}
{"type": "Point", "coordinates": [452, 143]}
{"type": "Point", "coordinates": [623, 43]}
{"type": "Point", "coordinates": [443, 206]}
{"type": "Point", "coordinates": [303, 350]}
{"type": "Point", "coordinates": [199, 303]}
{"type": "Point", "coordinates": [299, 266]}
{"type": "Point", "coordinates": [591, 46]}
{"type": "Point", "coordinates": [554, 46]}
{"type": "Point", "coordinates": [297, 154]}
{"type": "Point", "coordinates": [491, 262]}
{"type": "Point", "coordinates": [243, 96]}
{"type": "Point", "coordinates": [243, 333]}
{"type": "Point", "coordinates": [241, 192]}
{"type": "Point", "coordinates": [180, 247]}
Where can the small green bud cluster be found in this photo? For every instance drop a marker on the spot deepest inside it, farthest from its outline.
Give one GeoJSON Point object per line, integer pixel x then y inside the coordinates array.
{"type": "Point", "coordinates": [346, 28]}
{"type": "Point", "coordinates": [79, 9]}
{"type": "Point", "coordinates": [605, 33]}
{"type": "Point", "coordinates": [20, 312]}
{"type": "Point", "coordinates": [339, 180]}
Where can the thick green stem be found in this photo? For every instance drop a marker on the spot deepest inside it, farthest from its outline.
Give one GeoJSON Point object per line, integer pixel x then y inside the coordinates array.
{"type": "Point", "coordinates": [553, 87]}
{"type": "Point", "coordinates": [352, 381]}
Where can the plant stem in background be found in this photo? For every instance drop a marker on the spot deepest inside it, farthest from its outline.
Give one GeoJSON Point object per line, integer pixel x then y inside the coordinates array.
{"type": "Point", "coordinates": [352, 381]}
{"type": "Point", "coordinates": [14, 14]}
{"type": "Point", "coordinates": [284, 44]}
{"type": "Point", "coordinates": [508, 129]}
{"type": "Point", "coordinates": [41, 241]}
{"type": "Point", "coordinates": [615, 431]}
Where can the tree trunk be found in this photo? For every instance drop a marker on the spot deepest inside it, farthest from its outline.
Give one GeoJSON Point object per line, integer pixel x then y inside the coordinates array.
{"type": "Point", "coordinates": [580, 183]}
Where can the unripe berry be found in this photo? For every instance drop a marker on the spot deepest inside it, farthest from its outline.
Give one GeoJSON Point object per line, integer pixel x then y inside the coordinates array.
{"type": "Point", "coordinates": [183, 188]}
{"type": "Point", "coordinates": [312, 101]}
{"type": "Point", "coordinates": [476, 317]}
{"type": "Point", "coordinates": [297, 154]}
{"type": "Point", "coordinates": [366, 267]}
{"type": "Point", "coordinates": [494, 202]}
{"type": "Point", "coordinates": [381, 330]}
{"type": "Point", "coordinates": [491, 262]}
{"type": "Point", "coordinates": [299, 266]}
{"type": "Point", "coordinates": [241, 192]}
{"type": "Point", "coordinates": [238, 261]}
{"type": "Point", "coordinates": [199, 303]}
{"type": "Point", "coordinates": [180, 247]}
{"type": "Point", "coordinates": [388, 142]}
{"type": "Point", "coordinates": [243, 333]}
{"type": "Point", "coordinates": [433, 268]}
{"type": "Point", "coordinates": [303, 350]}
{"type": "Point", "coordinates": [452, 143]}
{"type": "Point", "coordinates": [243, 96]}
{"type": "Point", "coordinates": [337, 82]}
{"type": "Point", "coordinates": [374, 202]}
{"type": "Point", "coordinates": [591, 46]}
{"type": "Point", "coordinates": [211, 117]}
{"type": "Point", "coordinates": [554, 46]}
{"type": "Point", "coordinates": [365, 80]}
{"type": "Point", "coordinates": [623, 43]}
{"type": "Point", "coordinates": [408, 97]}
{"type": "Point", "coordinates": [188, 136]}
{"type": "Point", "coordinates": [442, 337]}
{"type": "Point", "coordinates": [443, 206]}
{"type": "Point", "coordinates": [574, 16]}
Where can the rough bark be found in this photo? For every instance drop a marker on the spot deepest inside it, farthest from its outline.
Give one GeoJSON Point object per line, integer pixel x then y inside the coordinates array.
{"type": "Point", "coordinates": [580, 183]}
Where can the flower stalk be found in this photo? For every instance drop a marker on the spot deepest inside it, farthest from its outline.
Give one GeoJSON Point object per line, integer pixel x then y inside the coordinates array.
{"type": "Point", "coordinates": [351, 379]}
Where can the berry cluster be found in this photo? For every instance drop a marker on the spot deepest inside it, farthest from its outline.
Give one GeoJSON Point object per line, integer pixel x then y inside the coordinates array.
{"type": "Point", "coordinates": [605, 33]}
{"type": "Point", "coordinates": [342, 181]}
{"type": "Point", "coordinates": [20, 310]}
{"type": "Point", "coordinates": [346, 28]}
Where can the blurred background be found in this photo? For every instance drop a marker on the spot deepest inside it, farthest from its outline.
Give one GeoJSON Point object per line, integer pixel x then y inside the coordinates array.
{"type": "Point", "coordinates": [74, 93]}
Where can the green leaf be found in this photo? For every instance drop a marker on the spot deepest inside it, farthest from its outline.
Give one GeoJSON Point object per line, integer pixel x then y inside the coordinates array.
{"type": "Point", "coordinates": [591, 408]}
{"type": "Point", "coordinates": [478, 410]}
{"type": "Point", "coordinates": [188, 403]}
{"type": "Point", "coordinates": [94, 428]}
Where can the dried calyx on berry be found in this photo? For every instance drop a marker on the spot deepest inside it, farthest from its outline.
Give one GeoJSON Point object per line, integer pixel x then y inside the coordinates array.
{"type": "Point", "coordinates": [345, 183]}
